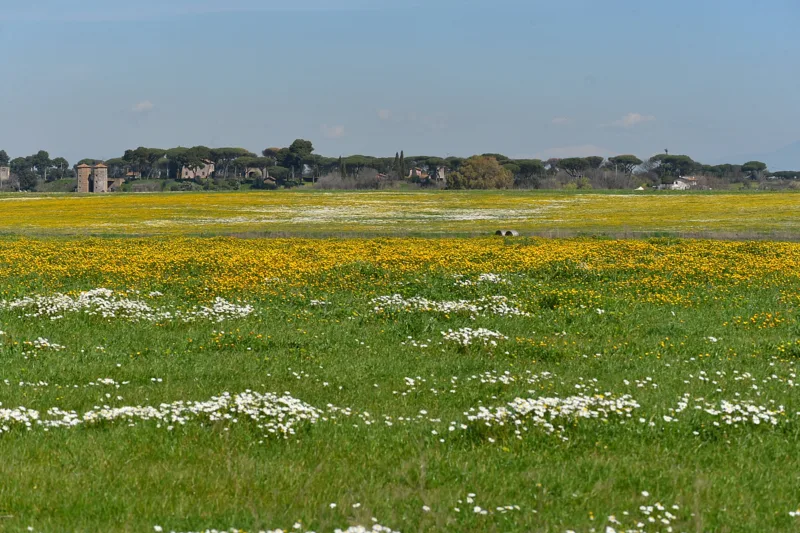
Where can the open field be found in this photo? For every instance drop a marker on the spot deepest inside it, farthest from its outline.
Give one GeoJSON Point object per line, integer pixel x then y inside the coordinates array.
{"type": "Point", "coordinates": [423, 384]}
{"type": "Point", "coordinates": [296, 213]}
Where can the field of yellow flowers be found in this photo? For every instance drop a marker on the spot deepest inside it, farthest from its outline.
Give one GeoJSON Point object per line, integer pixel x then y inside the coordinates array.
{"type": "Point", "coordinates": [403, 213]}
{"type": "Point", "coordinates": [194, 384]}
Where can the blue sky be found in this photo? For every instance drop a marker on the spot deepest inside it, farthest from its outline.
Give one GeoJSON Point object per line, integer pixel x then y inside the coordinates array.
{"type": "Point", "coordinates": [712, 79]}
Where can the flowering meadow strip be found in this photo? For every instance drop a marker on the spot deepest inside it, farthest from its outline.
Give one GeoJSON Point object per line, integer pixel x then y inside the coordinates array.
{"type": "Point", "coordinates": [646, 318]}
{"type": "Point", "coordinates": [278, 415]}
{"type": "Point", "coordinates": [657, 272]}
{"type": "Point", "coordinates": [104, 303]}
{"type": "Point", "coordinates": [296, 528]}
{"type": "Point", "coordinates": [486, 306]}
{"type": "Point", "coordinates": [389, 212]}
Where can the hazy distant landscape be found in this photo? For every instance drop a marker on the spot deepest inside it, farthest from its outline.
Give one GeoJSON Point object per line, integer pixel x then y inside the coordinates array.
{"type": "Point", "coordinates": [381, 266]}
{"type": "Point", "coordinates": [298, 166]}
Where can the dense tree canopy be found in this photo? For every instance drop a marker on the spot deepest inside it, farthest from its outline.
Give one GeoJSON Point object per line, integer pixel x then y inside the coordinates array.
{"type": "Point", "coordinates": [27, 179]}
{"type": "Point", "coordinates": [292, 165]}
{"type": "Point", "coordinates": [223, 157]}
{"type": "Point", "coordinates": [595, 161]}
{"type": "Point", "coordinates": [481, 172]}
{"type": "Point", "coordinates": [19, 164]}
{"type": "Point", "coordinates": [530, 171]}
{"type": "Point", "coordinates": [625, 163]}
{"type": "Point", "coordinates": [144, 160]}
{"type": "Point", "coordinates": [754, 168]}
{"type": "Point", "coordinates": [786, 174]}
{"type": "Point", "coordinates": [499, 157]}
{"type": "Point", "coordinates": [193, 158]}
{"type": "Point", "coordinates": [668, 166]}
{"type": "Point", "coordinates": [574, 166]}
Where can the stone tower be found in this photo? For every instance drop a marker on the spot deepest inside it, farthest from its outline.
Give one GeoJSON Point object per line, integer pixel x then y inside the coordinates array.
{"type": "Point", "coordinates": [84, 174]}
{"type": "Point", "coordinates": [100, 177]}
{"type": "Point", "coordinates": [5, 174]}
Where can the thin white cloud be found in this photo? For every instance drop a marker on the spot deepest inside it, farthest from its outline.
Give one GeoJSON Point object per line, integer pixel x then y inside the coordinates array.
{"type": "Point", "coordinates": [632, 119]}
{"type": "Point", "coordinates": [583, 150]}
{"type": "Point", "coordinates": [333, 132]}
{"type": "Point", "coordinates": [143, 107]}
{"type": "Point", "coordinates": [429, 121]}
{"type": "Point", "coordinates": [434, 121]}
{"type": "Point", "coordinates": [562, 121]}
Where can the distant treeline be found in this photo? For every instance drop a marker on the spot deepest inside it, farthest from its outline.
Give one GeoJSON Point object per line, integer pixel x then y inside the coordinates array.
{"type": "Point", "coordinates": [298, 164]}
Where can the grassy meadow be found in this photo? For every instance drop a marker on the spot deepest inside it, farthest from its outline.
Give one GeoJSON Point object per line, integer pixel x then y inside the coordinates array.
{"type": "Point", "coordinates": [428, 213]}
{"type": "Point", "coordinates": [171, 382]}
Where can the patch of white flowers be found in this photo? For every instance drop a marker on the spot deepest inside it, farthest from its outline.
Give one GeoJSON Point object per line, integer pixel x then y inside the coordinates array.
{"type": "Point", "coordinates": [104, 303]}
{"type": "Point", "coordinates": [220, 310]}
{"type": "Point", "coordinates": [548, 413]}
{"type": "Point", "coordinates": [297, 527]}
{"type": "Point", "coordinates": [99, 382]}
{"type": "Point", "coordinates": [730, 413]}
{"type": "Point", "coordinates": [277, 415]}
{"type": "Point", "coordinates": [486, 306]}
{"type": "Point", "coordinates": [469, 505]}
{"type": "Point", "coordinates": [469, 336]}
{"type": "Point", "coordinates": [496, 279]}
{"type": "Point", "coordinates": [44, 344]}
{"type": "Point", "coordinates": [649, 518]}
{"type": "Point", "coordinates": [96, 302]}
{"type": "Point", "coordinates": [418, 384]}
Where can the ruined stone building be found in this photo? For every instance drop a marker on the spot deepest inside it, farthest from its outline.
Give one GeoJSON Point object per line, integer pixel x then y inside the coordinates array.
{"type": "Point", "coordinates": [5, 174]}
{"type": "Point", "coordinates": [95, 179]}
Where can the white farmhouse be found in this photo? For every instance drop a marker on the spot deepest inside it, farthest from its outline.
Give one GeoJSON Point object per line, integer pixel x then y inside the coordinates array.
{"type": "Point", "coordinates": [680, 184]}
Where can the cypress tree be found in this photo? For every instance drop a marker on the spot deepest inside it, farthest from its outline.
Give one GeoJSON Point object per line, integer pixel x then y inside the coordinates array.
{"type": "Point", "coordinates": [396, 165]}
{"type": "Point", "coordinates": [342, 168]}
{"type": "Point", "coordinates": [402, 164]}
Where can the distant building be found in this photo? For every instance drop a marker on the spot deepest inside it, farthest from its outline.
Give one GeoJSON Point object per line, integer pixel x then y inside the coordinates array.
{"type": "Point", "coordinates": [100, 177]}
{"type": "Point", "coordinates": [681, 184]}
{"type": "Point", "coordinates": [5, 174]}
{"type": "Point", "coordinates": [439, 176]}
{"type": "Point", "coordinates": [84, 177]}
{"type": "Point", "coordinates": [115, 184]}
{"type": "Point", "coordinates": [206, 171]}
{"type": "Point", "coordinates": [254, 172]}
{"type": "Point", "coordinates": [95, 179]}
{"type": "Point", "coordinates": [421, 174]}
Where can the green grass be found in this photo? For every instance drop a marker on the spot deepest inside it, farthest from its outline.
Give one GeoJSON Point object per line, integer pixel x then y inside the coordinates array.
{"type": "Point", "coordinates": [120, 478]}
